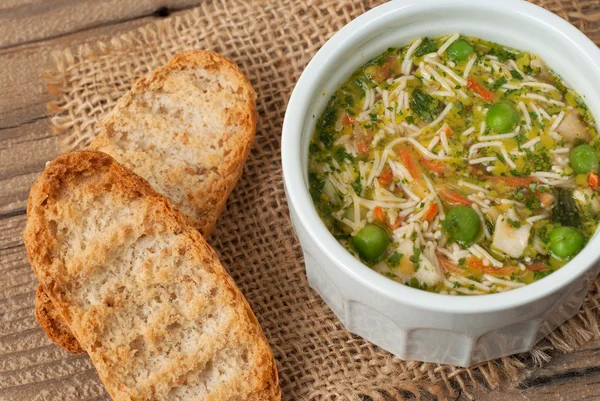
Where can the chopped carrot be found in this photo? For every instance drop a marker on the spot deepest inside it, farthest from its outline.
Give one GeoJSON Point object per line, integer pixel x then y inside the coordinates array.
{"type": "Point", "coordinates": [378, 214]}
{"type": "Point", "coordinates": [436, 167]}
{"type": "Point", "coordinates": [396, 224]}
{"type": "Point", "coordinates": [593, 180]}
{"type": "Point", "coordinates": [546, 198]}
{"type": "Point", "coordinates": [386, 177]}
{"type": "Point", "coordinates": [447, 265]}
{"type": "Point", "coordinates": [347, 120]}
{"type": "Point", "coordinates": [537, 266]}
{"type": "Point", "coordinates": [452, 197]}
{"type": "Point", "coordinates": [409, 162]}
{"type": "Point", "coordinates": [448, 130]}
{"type": "Point", "coordinates": [363, 148]}
{"type": "Point", "coordinates": [478, 264]}
{"type": "Point", "coordinates": [480, 90]}
{"type": "Point", "coordinates": [431, 212]}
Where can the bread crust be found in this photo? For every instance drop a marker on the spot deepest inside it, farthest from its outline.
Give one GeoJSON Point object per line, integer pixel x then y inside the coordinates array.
{"type": "Point", "coordinates": [77, 185]}
{"type": "Point", "coordinates": [52, 323]}
{"type": "Point", "coordinates": [208, 200]}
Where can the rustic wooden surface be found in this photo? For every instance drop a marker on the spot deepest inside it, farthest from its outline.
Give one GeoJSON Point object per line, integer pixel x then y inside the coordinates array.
{"type": "Point", "coordinates": [29, 31]}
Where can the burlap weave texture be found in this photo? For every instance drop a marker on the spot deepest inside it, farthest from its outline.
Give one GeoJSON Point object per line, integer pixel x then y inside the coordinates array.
{"type": "Point", "coordinates": [272, 41]}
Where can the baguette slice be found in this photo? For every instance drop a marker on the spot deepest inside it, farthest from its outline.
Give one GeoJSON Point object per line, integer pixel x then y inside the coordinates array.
{"type": "Point", "coordinates": [186, 127]}
{"type": "Point", "coordinates": [141, 290]}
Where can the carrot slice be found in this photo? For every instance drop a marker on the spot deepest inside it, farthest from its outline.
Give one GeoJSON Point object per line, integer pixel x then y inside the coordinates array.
{"type": "Point", "coordinates": [447, 265]}
{"type": "Point", "coordinates": [347, 120]}
{"type": "Point", "coordinates": [431, 212]}
{"type": "Point", "coordinates": [436, 167]}
{"type": "Point", "coordinates": [386, 177]}
{"type": "Point", "coordinates": [593, 180]}
{"type": "Point", "coordinates": [396, 224]}
{"type": "Point", "coordinates": [478, 264]}
{"type": "Point", "coordinates": [410, 163]}
{"type": "Point", "coordinates": [480, 90]}
{"type": "Point", "coordinates": [453, 197]}
{"type": "Point", "coordinates": [378, 214]}
{"type": "Point", "coordinates": [363, 148]}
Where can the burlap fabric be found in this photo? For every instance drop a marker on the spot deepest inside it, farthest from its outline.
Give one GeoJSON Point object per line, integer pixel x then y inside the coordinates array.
{"type": "Point", "coordinates": [272, 41]}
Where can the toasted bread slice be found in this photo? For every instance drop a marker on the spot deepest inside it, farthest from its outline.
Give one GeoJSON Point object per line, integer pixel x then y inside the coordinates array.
{"type": "Point", "coordinates": [187, 128]}
{"type": "Point", "coordinates": [141, 290]}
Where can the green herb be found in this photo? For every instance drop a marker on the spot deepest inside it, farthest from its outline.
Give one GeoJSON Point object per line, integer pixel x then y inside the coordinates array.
{"type": "Point", "coordinates": [532, 202]}
{"type": "Point", "coordinates": [416, 257]}
{"type": "Point", "coordinates": [410, 120]}
{"type": "Point", "coordinates": [514, 223]}
{"type": "Point", "coordinates": [316, 184]}
{"type": "Point", "coordinates": [502, 54]}
{"type": "Point", "coordinates": [516, 75]}
{"type": "Point", "coordinates": [357, 186]}
{"type": "Point", "coordinates": [394, 260]}
{"type": "Point", "coordinates": [426, 47]}
{"type": "Point", "coordinates": [340, 154]}
{"type": "Point", "coordinates": [424, 105]}
{"type": "Point", "coordinates": [565, 210]}
{"type": "Point", "coordinates": [499, 83]}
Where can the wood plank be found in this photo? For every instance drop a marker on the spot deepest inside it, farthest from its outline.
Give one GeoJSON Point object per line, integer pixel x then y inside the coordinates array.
{"type": "Point", "coordinates": [567, 377]}
{"type": "Point", "coordinates": [34, 20]}
{"type": "Point", "coordinates": [26, 139]}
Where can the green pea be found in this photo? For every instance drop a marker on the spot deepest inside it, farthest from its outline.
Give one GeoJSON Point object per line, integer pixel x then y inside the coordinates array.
{"type": "Point", "coordinates": [462, 224]}
{"type": "Point", "coordinates": [459, 51]}
{"type": "Point", "coordinates": [566, 242]}
{"type": "Point", "coordinates": [584, 159]}
{"type": "Point", "coordinates": [371, 242]}
{"type": "Point", "coordinates": [502, 118]}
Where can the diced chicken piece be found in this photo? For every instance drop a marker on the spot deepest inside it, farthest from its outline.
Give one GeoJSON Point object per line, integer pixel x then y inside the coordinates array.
{"type": "Point", "coordinates": [587, 199]}
{"type": "Point", "coordinates": [572, 127]}
{"type": "Point", "coordinates": [510, 239]}
{"type": "Point", "coordinates": [406, 268]}
{"type": "Point", "coordinates": [427, 272]}
{"type": "Point", "coordinates": [544, 73]}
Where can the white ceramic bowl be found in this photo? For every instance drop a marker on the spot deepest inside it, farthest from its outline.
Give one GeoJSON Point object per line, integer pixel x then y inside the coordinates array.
{"type": "Point", "coordinates": [414, 324]}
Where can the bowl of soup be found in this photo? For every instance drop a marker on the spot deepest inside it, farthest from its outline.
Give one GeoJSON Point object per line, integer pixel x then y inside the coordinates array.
{"type": "Point", "coordinates": [441, 161]}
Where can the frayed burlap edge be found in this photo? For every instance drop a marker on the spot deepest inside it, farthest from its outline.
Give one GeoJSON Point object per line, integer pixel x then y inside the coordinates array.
{"type": "Point", "coordinates": [76, 131]}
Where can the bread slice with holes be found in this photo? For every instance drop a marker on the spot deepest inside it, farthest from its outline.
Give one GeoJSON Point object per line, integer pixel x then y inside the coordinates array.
{"type": "Point", "coordinates": [141, 290]}
{"type": "Point", "coordinates": [187, 128]}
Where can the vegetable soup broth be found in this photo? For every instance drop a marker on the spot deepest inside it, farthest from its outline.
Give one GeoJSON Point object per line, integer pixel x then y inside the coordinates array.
{"type": "Point", "coordinates": [458, 166]}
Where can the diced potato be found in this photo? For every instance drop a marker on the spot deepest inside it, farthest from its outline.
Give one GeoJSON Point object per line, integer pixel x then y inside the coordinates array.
{"type": "Point", "coordinates": [572, 127]}
{"type": "Point", "coordinates": [509, 239]}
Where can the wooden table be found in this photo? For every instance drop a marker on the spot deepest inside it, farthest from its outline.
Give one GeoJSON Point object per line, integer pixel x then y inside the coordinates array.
{"type": "Point", "coordinates": [30, 30]}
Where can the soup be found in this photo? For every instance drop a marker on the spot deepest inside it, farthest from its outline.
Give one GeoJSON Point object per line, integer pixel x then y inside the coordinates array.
{"type": "Point", "coordinates": [457, 166]}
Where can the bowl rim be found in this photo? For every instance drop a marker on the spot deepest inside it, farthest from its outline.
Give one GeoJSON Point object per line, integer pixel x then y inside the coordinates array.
{"type": "Point", "coordinates": [301, 203]}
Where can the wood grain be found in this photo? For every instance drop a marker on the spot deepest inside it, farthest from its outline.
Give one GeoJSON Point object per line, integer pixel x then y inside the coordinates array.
{"type": "Point", "coordinates": [30, 30]}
